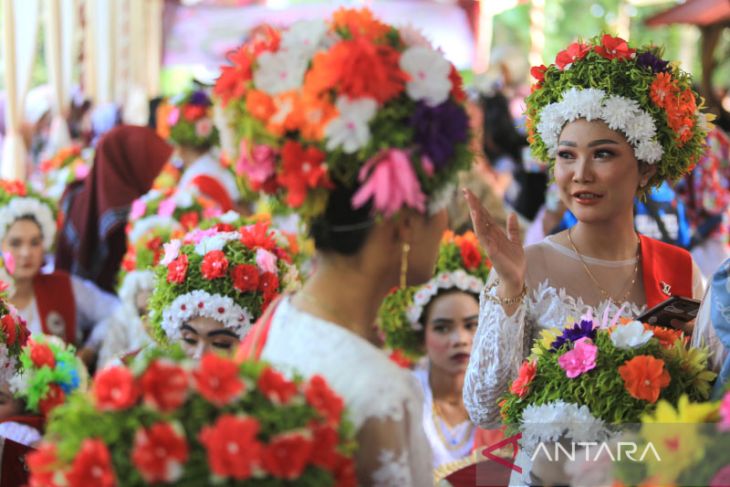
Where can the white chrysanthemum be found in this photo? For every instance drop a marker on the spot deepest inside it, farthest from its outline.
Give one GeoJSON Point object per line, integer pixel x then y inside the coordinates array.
{"type": "Point", "coordinates": [199, 303]}
{"type": "Point", "coordinates": [280, 72]}
{"type": "Point", "coordinates": [351, 130]}
{"type": "Point", "coordinates": [27, 206]}
{"type": "Point", "coordinates": [649, 151]}
{"type": "Point", "coordinates": [550, 124]}
{"type": "Point", "coordinates": [555, 420]}
{"type": "Point", "coordinates": [641, 127]}
{"type": "Point", "coordinates": [215, 242]}
{"type": "Point", "coordinates": [630, 335]}
{"type": "Point", "coordinates": [304, 37]}
{"type": "Point", "coordinates": [618, 110]}
{"type": "Point", "coordinates": [429, 75]}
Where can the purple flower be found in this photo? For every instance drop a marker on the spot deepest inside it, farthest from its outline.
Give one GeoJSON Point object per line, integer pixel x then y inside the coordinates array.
{"type": "Point", "coordinates": [200, 98]}
{"type": "Point", "coordinates": [584, 329]}
{"type": "Point", "coordinates": [649, 60]}
{"type": "Point", "coordinates": [438, 129]}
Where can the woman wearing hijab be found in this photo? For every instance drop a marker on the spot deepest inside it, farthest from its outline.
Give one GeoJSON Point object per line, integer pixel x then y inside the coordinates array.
{"type": "Point", "coordinates": [92, 241]}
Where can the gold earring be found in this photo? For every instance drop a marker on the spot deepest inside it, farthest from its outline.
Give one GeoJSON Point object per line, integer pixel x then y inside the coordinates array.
{"type": "Point", "coordinates": [404, 265]}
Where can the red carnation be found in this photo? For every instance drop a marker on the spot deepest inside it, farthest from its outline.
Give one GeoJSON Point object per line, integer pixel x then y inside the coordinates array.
{"type": "Point", "coordinates": [614, 48]}
{"type": "Point", "coordinates": [573, 53]}
{"type": "Point", "coordinates": [232, 447]}
{"type": "Point", "coordinates": [245, 278]}
{"type": "Point", "coordinates": [324, 400]}
{"type": "Point", "coordinates": [269, 284]}
{"type": "Point", "coordinates": [54, 397]}
{"type": "Point", "coordinates": [189, 220]}
{"type": "Point", "coordinates": [470, 255]}
{"type": "Point", "coordinates": [257, 236]}
{"type": "Point", "coordinates": [217, 380]}
{"type": "Point", "coordinates": [326, 438]}
{"type": "Point", "coordinates": [92, 466]}
{"type": "Point", "coordinates": [214, 265]}
{"type": "Point", "coordinates": [8, 324]}
{"type": "Point", "coordinates": [41, 354]}
{"type": "Point", "coordinates": [224, 227]}
{"type": "Point", "coordinates": [286, 456]}
{"type": "Point", "coordinates": [302, 168]}
{"type": "Point", "coordinates": [177, 270]}
{"type": "Point", "coordinates": [159, 453]}
{"type": "Point", "coordinates": [276, 387]}
{"type": "Point", "coordinates": [345, 472]}
{"type": "Point", "coordinates": [43, 465]}
{"type": "Point", "coordinates": [538, 72]}
{"type": "Point", "coordinates": [193, 112]}
{"type": "Point", "coordinates": [114, 389]}
{"type": "Point", "coordinates": [164, 386]}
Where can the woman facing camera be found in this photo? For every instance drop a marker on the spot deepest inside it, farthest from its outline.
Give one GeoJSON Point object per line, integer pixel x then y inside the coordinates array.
{"type": "Point", "coordinates": [367, 161]}
{"type": "Point", "coordinates": [438, 321]}
{"type": "Point", "coordinates": [57, 303]}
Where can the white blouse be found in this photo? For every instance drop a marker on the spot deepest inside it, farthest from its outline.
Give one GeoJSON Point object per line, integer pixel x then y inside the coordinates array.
{"type": "Point", "coordinates": [383, 400]}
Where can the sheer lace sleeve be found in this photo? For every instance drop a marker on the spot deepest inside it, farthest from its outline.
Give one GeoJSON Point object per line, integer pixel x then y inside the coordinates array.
{"type": "Point", "coordinates": [496, 355]}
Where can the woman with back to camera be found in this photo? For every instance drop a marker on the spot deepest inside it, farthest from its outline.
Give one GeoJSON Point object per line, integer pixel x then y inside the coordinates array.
{"type": "Point", "coordinates": [368, 161]}
{"type": "Point", "coordinates": [607, 137]}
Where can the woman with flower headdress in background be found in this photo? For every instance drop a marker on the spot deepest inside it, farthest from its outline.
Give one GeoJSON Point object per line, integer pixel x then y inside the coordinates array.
{"type": "Point", "coordinates": [438, 321]}
{"type": "Point", "coordinates": [368, 158]}
{"type": "Point", "coordinates": [612, 122]}
{"type": "Point", "coordinates": [191, 129]}
{"type": "Point", "coordinates": [52, 303]}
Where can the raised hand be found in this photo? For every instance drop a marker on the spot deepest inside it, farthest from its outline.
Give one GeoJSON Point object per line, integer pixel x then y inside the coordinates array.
{"type": "Point", "coordinates": [503, 247]}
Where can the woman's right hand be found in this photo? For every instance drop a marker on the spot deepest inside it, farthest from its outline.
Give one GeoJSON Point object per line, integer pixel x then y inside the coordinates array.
{"type": "Point", "coordinates": [503, 248]}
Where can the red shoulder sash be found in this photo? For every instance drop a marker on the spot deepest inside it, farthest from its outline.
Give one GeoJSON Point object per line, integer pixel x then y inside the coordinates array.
{"type": "Point", "coordinates": [666, 269]}
{"type": "Point", "coordinates": [252, 345]}
{"type": "Point", "coordinates": [213, 189]}
{"type": "Point", "coordinates": [56, 304]}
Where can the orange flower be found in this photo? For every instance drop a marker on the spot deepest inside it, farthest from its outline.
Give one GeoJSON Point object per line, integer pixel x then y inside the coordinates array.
{"type": "Point", "coordinates": [644, 377]}
{"type": "Point", "coordinates": [287, 114]}
{"type": "Point", "coordinates": [457, 85]}
{"type": "Point", "coordinates": [521, 385]}
{"type": "Point", "coordinates": [448, 237]}
{"type": "Point", "coordinates": [666, 336]}
{"type": "Point", "coordinates": [259, 105]}
{"type": "Point", "coordinates": [357, 68]}
{"type": "Point", "coordinates": [359, 23]}
{"type": "Point", "coordinates": [663, 89]}
{"type": "Point", "coordinates": [316, 113]}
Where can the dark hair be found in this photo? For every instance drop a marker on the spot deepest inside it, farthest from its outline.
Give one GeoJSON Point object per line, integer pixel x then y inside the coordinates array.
{"type": "Point", "coordinates": [341, 229]}
{"type": "Point", "coordinates": [501, 137]}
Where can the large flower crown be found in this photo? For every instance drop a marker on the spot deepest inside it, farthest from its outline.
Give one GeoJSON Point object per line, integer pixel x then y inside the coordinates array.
{"type": "Point", "coordinates": [18, 201]}
{"type": "Point", "coordinates": [461, 265]}
{"type": "Point", "coordinates": [13, 337]}
{"type": "Point", "coordinates": [190, 120]}
{"type": "Point", "coordinates": [168, 420]}
{"type": "Point", "coordinates": [145, 250]}
{"type": "Point", "coordinates": [634, 91]}
{"type": "Point", "coordinates": [229, 276]}
{"type": "Point", "coordinates": [50, 371]}
{"type": "Point", "coordinates": [351, 101]}
{"type": "Point", "coordinates": [65, 166]}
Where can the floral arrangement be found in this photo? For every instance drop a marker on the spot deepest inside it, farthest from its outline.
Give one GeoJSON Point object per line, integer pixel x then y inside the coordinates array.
{"type": "Point", "coordinates": [461, 265]}
{"type": "Point", "coordinates": [50, 372]}
{"type": "Point", "coordinates": [145, 251]}
{"type": "Point", "coordinates": [18, 201]}
{"type": "Point", "coordinates": [186, 206]}
{"type": "Point", "coordinates": [67, 165]}
{"type": "Point", "coordinates": [190, 120]}
{"type": "Point", "coordinates": [168, 178]}
{"type": "Point", "coordinates": [589, 376]}
{"type": "Point", "coordinates": [166, 420]}
{"type": "Point", "coordinates": [634, 91]}
{"type": "Point", "coordinates": [691, 442]}
{"type": "Point", "coordinates": [13, 337]}
{"type": "Point", "coordinates": [229, 276]}
{"type": "Point", "coordinates": [351, 101]}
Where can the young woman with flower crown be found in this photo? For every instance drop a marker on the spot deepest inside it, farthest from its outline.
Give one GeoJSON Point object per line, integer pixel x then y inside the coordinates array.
{"type": "Point", "coordinates": [57, 303]}
{"type": "Point", "coordinates": [611, 122]}
{"type": "Point", "coordinates": [363, 130]}
{"type": "Point", "coordinates": [212, 285]}
{"type": "Point", "coordinates": [438, 320]}
{"type": "Point", "coordinates": [191, 129]}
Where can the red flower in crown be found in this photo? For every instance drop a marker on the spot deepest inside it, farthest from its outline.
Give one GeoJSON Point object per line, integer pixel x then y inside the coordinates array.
{"type": "Point", "coordinates": [159, 453]}
{"type": "Point", "coordinates": [189, 220]}
{"type": "Point", "coordinates": [14, 187]}
{"type": "Point", "coordinates": [54, 397]}
{"type": "Point", "coordinates": [92, 466]}
{"type": "Point", "coordinates": [257, 236]}
{"type": "Point", "coordinates": [326, 438]}
{"type": "Point", "coordinates": [193, 112]}
{"type": "Point", "coordinates": [177, 270]}
{"type": "Point", "coordinates": [164, 386]}
{"type": "Point", "coordinates": [286, 456]}
{"type": "Point", "coordinates": [224, 227]}
{"type": "Point", "coordinates": [41, 354]}
{"type": "Point", "coordinates": [43, 465]}
{"type": "Point", "coordinates": [301, 169]}
{"type": "Point", "coordinates": [269, 286]}
{"type": "Point", "coordinates": [614, 48]}
{"type": "Point", "coordinates": [324, 400]}
{"type": "Point", "coordinates": [538, 72]}
{"type": "Point", "coordinates": [214, 265]}
{"type": "Point", "coordinates": [276, 387]}
{"type": "Point", "coordinates": [345, 472]}
{"type": "Point", "coordinates": [470, 255]}
{"type": "Point", "coordinates": [245, 278]}
{"type": "Point", "coordinates": [232, 447]}
{"type": "Point", "coordinates": [8, 324]}
{"type": "Point", "coordinates": [573, 53]}
{"type": "Point", "coordinates": [217, 380]}
{"type": "Point", "coordinates": [114, 389]}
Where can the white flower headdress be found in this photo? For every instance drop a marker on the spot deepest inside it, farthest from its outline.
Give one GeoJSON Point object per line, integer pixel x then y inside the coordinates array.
{"type": "Point", "coordinates": [199, 303]}
{"type": "Point", "coordinates": [24, 206]}
{"type": "Point", "coordinates": [457, 279]}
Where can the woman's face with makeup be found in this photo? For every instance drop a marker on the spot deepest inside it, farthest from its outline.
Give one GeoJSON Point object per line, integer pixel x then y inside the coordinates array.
{"type": "Point", "coordinates": [202, 334]}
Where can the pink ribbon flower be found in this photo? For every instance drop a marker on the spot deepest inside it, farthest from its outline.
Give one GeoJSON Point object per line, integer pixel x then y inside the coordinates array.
{"type": "Point", "coordinates": [579, 360]}
{"type": "Point", "coordinates": [391, 183]}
